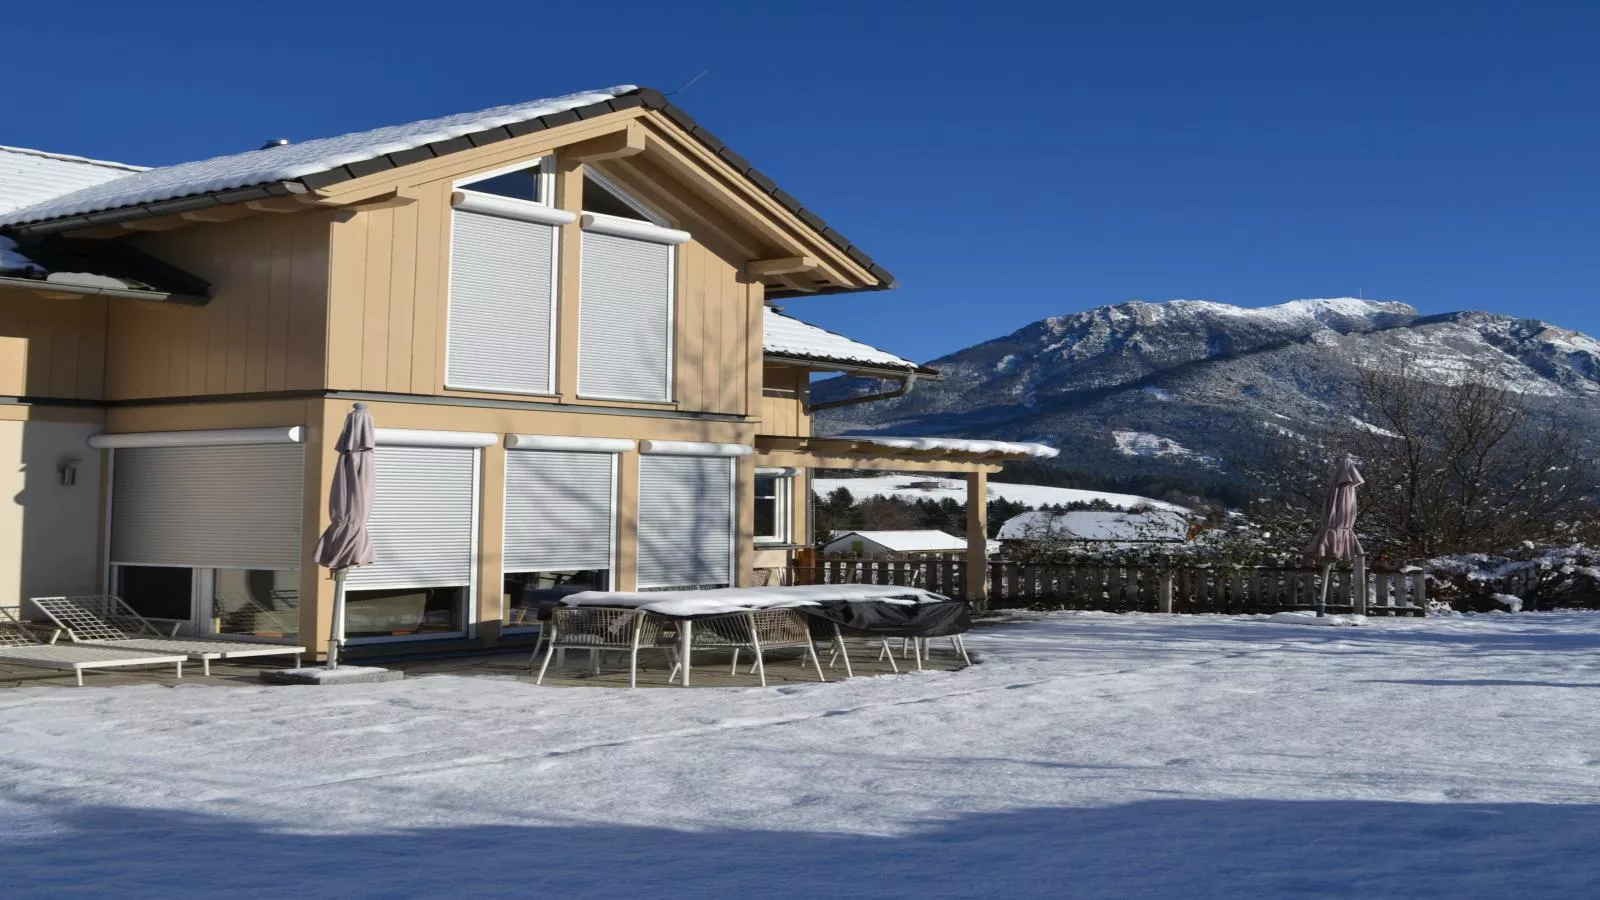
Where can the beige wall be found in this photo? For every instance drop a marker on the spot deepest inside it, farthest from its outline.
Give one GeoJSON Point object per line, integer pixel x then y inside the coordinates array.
{"type": "Point", "coordinates": [49, 532]}
{"type": "Point", "coordinates": [786, 391]}
{"type": "Point", "coordinates": [264, 329]}
{"type": "Point", "coordinates": [51, 347]}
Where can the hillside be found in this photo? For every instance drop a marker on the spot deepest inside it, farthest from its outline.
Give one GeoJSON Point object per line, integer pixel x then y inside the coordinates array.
{"type": "Point", "coordinates": [1191, 388]}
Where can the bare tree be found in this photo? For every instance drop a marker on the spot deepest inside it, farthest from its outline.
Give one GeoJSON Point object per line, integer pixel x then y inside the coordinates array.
{"type": "Point", "coordinates": [1451, 464]}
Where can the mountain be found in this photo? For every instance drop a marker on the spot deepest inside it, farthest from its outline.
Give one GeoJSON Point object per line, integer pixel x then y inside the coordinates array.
{"type": "Point", "coordinates": [1190, 388]}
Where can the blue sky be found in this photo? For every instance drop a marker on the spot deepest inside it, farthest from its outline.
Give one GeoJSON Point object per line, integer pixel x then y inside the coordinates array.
{"type": "Point", "coordinates": [1005, 161]}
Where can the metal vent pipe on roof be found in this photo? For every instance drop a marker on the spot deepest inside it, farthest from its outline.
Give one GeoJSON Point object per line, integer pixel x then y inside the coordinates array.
{"type": "Point", "coordinates": [275, 142]}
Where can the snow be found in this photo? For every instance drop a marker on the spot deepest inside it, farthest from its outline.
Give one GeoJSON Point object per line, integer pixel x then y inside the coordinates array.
{"type": "Point", "coordinates": [959, 445]}
{"type": "Point", "coordinates": [1098, 525]}
{"type": "Point", "coordinates": [905, 541]}
{"type": "Point", "coordinates": [33, 176]}
{"type": "Point", "coordinates": [12, 260]}
{"type": "Point", "coordinates": [1091, 755]}
{"type": "Point", "coordinates": [717, 601]}
{"type": "Point", "coordinates": [1311, 618]}
{"type": "Point", "coordinates": [788, 336]}
{"type": "Point", "coordinates": [1143, 443]}
{"type": "Point", "coordinates": [923, 487]}
{"type": "Point", "coordinates": [292, 161]}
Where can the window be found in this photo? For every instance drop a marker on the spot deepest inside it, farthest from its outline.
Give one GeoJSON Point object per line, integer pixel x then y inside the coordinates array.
{"type": "Point", "coordinates": [774, 503]}
{"type": "Point", "coordinates": [525, 592]}
{"type": "Point", "coordinates": [685, 528]}
{"type": "Point", "coordinates": [503, 247]}
{"type": "Point", "coordinates": [256, 603]}
{"type": "Point", "coordinates": [157, 592]}
{"type": "Point", "coordinates": [560, 518]}
{"type": "Point", "coordinates": [405, 612]}
{"type": "Point", "coordinates": [626, 297]}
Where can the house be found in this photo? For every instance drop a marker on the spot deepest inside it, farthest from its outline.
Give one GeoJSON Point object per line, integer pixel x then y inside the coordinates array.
{"type": "Point", "coordinates": [557, 312]}
{"type": "Point", "coordinates": [1097, 526]}
{"type": "Point", "coordinates": [890, 543]}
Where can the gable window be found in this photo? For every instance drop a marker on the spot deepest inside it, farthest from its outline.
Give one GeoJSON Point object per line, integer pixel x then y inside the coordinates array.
{"type": "Point", "coordinates": [774, 491]}
{"type": "Point", "coordinates": [504, 242]}
{"type": "Point", "coordinates": [625, 329]}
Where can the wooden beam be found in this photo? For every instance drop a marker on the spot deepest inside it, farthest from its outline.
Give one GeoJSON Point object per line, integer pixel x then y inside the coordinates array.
{"type": "Point", "coordinates": [650, 184]}
{"type": "Point", "coordinates": [627, 142]}
{"type": "Point", "coordinates": [788, 265]}
{"type": "Point", "coordinates": [389, 198]}
{"type": "Point", "coordinates": [282, 204]}
{"type": "Point", "coordinates": [978, 539]}
{"type": "Point", "coordinates": [217, 213]}
{"type": "Point", "coordinates": [808, 460]}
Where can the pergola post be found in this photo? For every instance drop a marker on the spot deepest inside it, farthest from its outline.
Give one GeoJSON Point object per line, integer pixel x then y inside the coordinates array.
{"type": "Point", "coordinates": [978, 539]}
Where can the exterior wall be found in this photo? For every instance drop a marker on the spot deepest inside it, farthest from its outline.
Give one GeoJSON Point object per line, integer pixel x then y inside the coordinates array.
{"type": "Point", "coordinates": [264, 329]}
{"type": "Point", "coordinates": [52, 347]}
{"type": "Point", "coordinates": [389, 280]}
{"type": "Point", "coordinates": [785, 396]}
{"type": "Point", "coordinates": [49, 532]}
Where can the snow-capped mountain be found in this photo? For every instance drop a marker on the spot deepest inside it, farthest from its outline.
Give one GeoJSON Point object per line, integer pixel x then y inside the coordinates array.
{"type": "Point", "coordinates": [1185, 386]}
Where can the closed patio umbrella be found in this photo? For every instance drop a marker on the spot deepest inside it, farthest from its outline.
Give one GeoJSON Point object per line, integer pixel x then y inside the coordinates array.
{"type": "Point", "coordinates": [1336, 540]}
{"type": "Point", "coordinates": [347, 543]}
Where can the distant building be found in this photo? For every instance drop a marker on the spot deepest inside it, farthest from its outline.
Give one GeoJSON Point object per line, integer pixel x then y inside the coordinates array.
{"type": "Point", "coordinates": [1162, 526]}
{"type": "Point", "coordinates": [891, 543]}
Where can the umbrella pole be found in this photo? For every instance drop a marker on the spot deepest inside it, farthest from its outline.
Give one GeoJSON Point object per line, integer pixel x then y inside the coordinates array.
{"type": "Point", "coordinates": [336, 637]}
{"type": "Point", "coordinates": [1322, 600]}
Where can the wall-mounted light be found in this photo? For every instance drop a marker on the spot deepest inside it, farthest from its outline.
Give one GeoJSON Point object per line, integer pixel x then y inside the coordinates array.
{"type": "Point", "coordinates": [67, 469]}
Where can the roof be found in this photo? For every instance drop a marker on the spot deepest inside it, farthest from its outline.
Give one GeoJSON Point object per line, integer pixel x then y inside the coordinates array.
{"type": "Point", "coordinates": [791, 338]}
{"type": "Point", "coordinates": [1096, 525]}
{"type": "Point", "coordinates": [112, 268]}
{"type": "Point", "coordinates": [924, 541]}
{"type": "Point", "coordinates": [958, 445]}
{"type": "Point", "coordinates": [29, 177]}
{"type": "Point", "coordinates": [315, 164]}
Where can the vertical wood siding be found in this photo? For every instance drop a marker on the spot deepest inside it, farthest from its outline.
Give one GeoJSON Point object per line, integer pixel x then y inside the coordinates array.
{"type": "Point", "coordinates": [390, 290]}
{"type": "Point", "coordinates": [264, 329]}
{"type": "Point", "coordinates": [52, 348]}
{"type": "Point", "coordinates": [783, 400]}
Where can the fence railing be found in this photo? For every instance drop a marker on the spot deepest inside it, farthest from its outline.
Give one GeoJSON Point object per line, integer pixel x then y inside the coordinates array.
{"type": "Point", "coordinates": [1181, 589]}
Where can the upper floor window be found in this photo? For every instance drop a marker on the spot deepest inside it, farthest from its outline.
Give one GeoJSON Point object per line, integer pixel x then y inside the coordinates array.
{"type": "Point", "coordinates": [626, 296]}
{"type": "Point", "coordinates": [504, 242]}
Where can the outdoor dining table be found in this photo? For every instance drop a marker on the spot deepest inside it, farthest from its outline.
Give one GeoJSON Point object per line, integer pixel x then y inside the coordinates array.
{"type": "Point", "coordinates": [861, 607]}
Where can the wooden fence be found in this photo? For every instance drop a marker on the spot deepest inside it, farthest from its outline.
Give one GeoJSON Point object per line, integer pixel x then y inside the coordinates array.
{"type": "Point", "coordinates": [1189, 589]}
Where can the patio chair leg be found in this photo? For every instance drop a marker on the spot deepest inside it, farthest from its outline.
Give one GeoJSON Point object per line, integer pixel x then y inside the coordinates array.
{"type": "Point", "coordinates": [816, 663]}
{"type": "Point", "coordinates": [180, 668]}
{"type": "Point", "coordinates": [886, 652]}
{"type": "Point", "coordinates": [734, 670]}
{"type": "Point", "coordinates": [79, 673]}
{"type": "Point", "coordinates": [842, 649]}
{"type": "Point", "coordinates": [297, 660]}
{"type": "Point", "coordinates": [550, 650]}
{"type": "Point", "coordinates": [633, 662]}
{"type": "Point", "coordinates": [961, 647]}
{"type": "Point", "coordinates": [916, 645]}
{"type": "Point", "coordinates": [755, 644]}
{"type": "Point", "coordinates": [205, 666]}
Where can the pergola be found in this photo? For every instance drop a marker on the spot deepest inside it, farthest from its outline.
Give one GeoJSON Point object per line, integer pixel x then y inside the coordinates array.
{"type": "Point", "coordinates": [975, 461]}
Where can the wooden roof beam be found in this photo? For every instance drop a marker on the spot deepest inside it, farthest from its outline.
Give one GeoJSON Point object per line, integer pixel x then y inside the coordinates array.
{"type": "Point", "coordinates": [630, 141]}
{"type": "Point", "coordinates": [788, 265]}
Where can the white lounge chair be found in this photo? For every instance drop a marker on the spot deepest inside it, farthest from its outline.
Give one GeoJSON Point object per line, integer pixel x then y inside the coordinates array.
{"type": "Point", "coordinates": [599, 630]}
{"type": "Point", "coordinates": [105, 621]}
{"type": "Point", "coordinates": [19, 646]}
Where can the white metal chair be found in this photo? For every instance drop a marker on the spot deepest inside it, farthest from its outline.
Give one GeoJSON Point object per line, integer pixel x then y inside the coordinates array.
{"type": "Point", "coordinates": [924, 649]}
{"type": "Point", "coordinates": [106, 621]}
{"type": "Point", "coordinates": [772, 628]}
{"type": "Point", "coordinates": [20, 646]}
{"type": "Point", "coordinates": [598, 630]}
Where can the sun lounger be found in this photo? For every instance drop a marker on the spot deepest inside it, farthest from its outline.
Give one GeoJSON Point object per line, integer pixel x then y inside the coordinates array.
{"type": "Point", "coordinates": [21, 647]}
{"type": "Point", "coordinates": [106, 621]}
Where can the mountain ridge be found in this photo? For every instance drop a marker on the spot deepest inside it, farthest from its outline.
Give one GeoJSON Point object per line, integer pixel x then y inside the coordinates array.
{"type": "Point", "coordinates": [1185, 386]}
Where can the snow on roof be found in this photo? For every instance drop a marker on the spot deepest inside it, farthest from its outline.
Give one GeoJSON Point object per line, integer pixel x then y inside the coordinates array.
{"type": "Point", "coordinates": [925, 487]}
{"type": "Point", "coordinates": [29, 176]}
{"type": "Point", "coordinates": [788, 336]}
{"type": "Point", "coordinates": [1097, 525]}
{"type": "Point", "coordinates": [292, 161]}
{"type": "Point", "coordinates": [960, 445]}
{"type": "Point", "coordinates": [921, 541]}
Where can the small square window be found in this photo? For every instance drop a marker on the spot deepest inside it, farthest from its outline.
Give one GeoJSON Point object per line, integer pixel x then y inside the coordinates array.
{"type": "Point", "coordinates": [523, 184]}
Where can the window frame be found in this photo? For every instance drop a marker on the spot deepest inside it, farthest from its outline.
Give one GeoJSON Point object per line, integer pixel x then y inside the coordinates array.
{"type": "Point", "coordinates": [547, 189]}
{"type": "Point", "coordinates": [783, 508]}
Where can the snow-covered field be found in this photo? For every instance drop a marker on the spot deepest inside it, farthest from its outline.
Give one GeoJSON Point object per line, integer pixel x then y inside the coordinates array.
{"type": "Point", "coordinates": [1091, 755]}
{"type": "Point", "coordinates": [925, 487]}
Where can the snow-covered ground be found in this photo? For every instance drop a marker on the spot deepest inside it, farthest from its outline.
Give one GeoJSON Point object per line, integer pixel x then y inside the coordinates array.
{"type": "Point", "coordinates": [924, 487]}
{"type": "Point", "coordinates": [1091, 755]}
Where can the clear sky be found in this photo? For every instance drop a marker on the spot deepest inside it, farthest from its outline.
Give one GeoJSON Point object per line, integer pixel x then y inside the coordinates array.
{"type": "Point", "coordinates": [1006, 161]}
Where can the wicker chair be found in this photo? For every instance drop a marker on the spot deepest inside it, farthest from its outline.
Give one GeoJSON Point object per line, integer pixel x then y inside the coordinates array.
{"type": "Point", "coordinates": [597, 630]}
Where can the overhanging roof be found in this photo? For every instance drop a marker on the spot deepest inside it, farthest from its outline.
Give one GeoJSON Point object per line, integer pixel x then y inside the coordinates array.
{"type": "Point", "coordinates": [317, 164]}
{"type": "Point", "coordinates": [786, 338]}
{"type": "Point", "coordinates": [60, 265]}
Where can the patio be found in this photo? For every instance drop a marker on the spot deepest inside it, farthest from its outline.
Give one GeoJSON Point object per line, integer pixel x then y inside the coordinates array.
{"type": "Point", "coordinates": [784, 667]}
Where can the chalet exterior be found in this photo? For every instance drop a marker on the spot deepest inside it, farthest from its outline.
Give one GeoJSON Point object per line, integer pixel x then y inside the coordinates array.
{"type": "Point", "coordinates": [557, 312]}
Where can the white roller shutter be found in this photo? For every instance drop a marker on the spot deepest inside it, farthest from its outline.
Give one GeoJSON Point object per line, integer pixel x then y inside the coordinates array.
{"type": "Point", "coordinates": [685, 521]}
{"type": "Point", "coordinates": [502, 293]}
{"type": "Point", "coordinates": [624, 346]}
{"type": "Point", "coordinates": [422, 517]}
{"type": "Point", "coordinates": [559, 510]}
{"type": "Point", "coordinates": [233, 507]}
